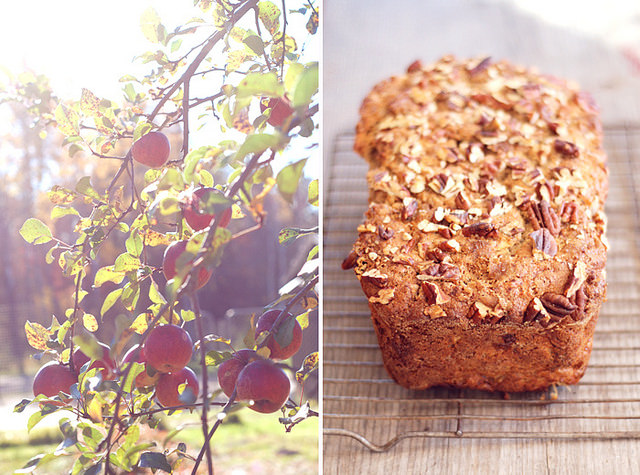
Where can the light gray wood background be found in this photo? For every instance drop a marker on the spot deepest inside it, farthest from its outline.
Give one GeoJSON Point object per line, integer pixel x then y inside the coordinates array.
{"type": "Point", "coordinates": [594, 43]}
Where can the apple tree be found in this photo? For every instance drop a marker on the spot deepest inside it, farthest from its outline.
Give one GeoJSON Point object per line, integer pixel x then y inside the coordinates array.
{"type": "Point", "coordinates": [238, 89]}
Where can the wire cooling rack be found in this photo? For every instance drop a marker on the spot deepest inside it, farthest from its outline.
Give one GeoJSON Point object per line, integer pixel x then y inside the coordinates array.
{"type": "Point", "coordinates": [362, 402]}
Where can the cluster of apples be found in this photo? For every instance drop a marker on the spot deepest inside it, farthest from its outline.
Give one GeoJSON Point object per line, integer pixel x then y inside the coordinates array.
{"type": "Point", "coordinates": [258, 380]}
{"type": "Point", "coordinates": [165, 354]}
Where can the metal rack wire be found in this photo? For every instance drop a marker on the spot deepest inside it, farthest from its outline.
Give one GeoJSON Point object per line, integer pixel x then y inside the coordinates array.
{"type": "Point", "coordinates": [363, 403]}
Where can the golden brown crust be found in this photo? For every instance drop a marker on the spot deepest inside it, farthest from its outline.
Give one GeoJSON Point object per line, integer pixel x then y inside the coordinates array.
{"type": "Point", "coordinates": [483, 250]}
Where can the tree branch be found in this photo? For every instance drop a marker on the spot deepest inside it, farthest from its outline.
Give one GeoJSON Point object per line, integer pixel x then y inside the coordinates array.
{"type": "Point", "coordinates": [217, 36]}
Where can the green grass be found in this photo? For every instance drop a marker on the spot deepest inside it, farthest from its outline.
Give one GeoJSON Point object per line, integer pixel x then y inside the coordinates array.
{"type": "Point", "coordinates": [247, 442]}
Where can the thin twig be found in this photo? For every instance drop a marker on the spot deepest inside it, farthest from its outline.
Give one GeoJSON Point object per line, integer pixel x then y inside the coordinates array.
{"type": "Point", "coordinates": [284, 37]}
{"type": "Point", "coordinates": [213, 40]}
{"type": "Point", "coordinates": [185, 119]}
{"type": "Point", "coordinates": [205, 390]}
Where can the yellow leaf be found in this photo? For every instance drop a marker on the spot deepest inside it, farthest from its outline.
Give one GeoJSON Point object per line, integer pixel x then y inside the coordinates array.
{"type": "Point", "coordinates": [94, 410]}
{"type": "Point", "coordinates": [37, 335]}
{"type": "Point", "coordinates": [236, 212]}
{"type": "Point", "coordinates": [140, 324]}
{"type": "Point", "coordinates": [90, 322]}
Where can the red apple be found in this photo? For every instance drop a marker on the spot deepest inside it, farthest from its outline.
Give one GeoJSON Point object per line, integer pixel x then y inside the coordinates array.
{"type": "Point", "coordinates": [229, 370]}
{"type": "Point", "coordinates": [167, 389]}
{"type": "Point", "coordinates": [263, 383]}
{"type": "Point", "coordinates": [168, 348]}
{"type": "Point", "coordinates": [280, 110]}
{"type": "Point", "coordinates": [266, 321]}
{"type": "Point", "coordinates": [138, 355]}
{"type": "Point", "coordinates": [52, 378]}
{"type": "Point", "coordinates": [193, 212]}
{"type": "Point", "coordinates": [171, 256]}
{"type": "Point", "coordinates": [151, 149]}
{"type": "Point", "coordinates": [106, 363]}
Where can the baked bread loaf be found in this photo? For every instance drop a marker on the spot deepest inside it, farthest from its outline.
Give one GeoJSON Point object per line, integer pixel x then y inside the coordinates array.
{"type": "Point", "coordinates": [483, 250]}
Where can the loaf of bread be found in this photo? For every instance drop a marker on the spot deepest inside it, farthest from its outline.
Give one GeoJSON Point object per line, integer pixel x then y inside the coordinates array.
{"type": "Point", "coordinates": [483, 250]}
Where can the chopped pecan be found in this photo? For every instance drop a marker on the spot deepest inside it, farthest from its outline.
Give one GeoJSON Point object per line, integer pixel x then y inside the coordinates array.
{"type": "Point", "coordinates": [557, 305]}
{"type": "Point", "coordinates": [433, 294]}
{"type": "Point", "coordinates": [580, 301]}
{"type": "Point", "coordinates": [350, 261]}
{"type": "Point", "coordinates": [445, 233]}
{"type": "Point", "coordinates": [440, 270]}
{"type": "Point", "coordinates": [481, 229]}
{"type": "Point", "coordinates": [480, 67]}
{"type": "Point", "coordinates": [490, 101]}
{"type": "Point", "coordinates": [415, 66]}
{"type": "Point", "coordinates": [385, 233]}
{"type": "Point", "coordinates": [576, 279]}
{"type": "Point", "coordinates": [546, 191]}
{"type": "Point", "coordinates": [569, 212]}
{"type": "Point", "coordinates": [535, 311]}
{"type": "Point", "coordinates": [409, 208]}
{"type": "Point", "coordinates": [545, 241]}
{"type": "Point", "coordinates": [462, 202]}
{"type": "Point", "coordinates": [375, 277]}
{"type": "Point", "coordinates": [436, 254]}
{"type": "Point", "coordinates": [478, 312]}
{"type": "Point", "coordinates": [542, 215]}
{"type": "Point", "coordinates": [565, 148]}
{"type": "Point", "coordinates": [439, 182]}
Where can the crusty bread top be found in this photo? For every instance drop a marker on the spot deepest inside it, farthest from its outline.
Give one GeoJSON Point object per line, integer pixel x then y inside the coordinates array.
{"type": "Point", "coordinates": [487, 186]}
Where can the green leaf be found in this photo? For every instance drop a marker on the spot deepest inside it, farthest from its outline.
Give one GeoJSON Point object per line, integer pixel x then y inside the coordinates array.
{"type": "Point", "coordinates": [313, 193]}
{"type": "Point", "coordinates": [67, 120]}
{"type": "Point", "coordinates": [142, 128]}
{"type": "Point", "coordinates": [138, 368]}
{"type": "Point", "coordinates": [154, 460]}
{"type": "Point", "coordinates": [150, 25]}
{"type": "Point", "coordinates": [60, 211]}
{"type": "Point", "coordinates": [257, 143]}
{"type": "Point", "coordinates": [303, 320]}
{"type": "Point", "coordinates": [154, 294]}
{"type": "Point", "coordinates": [307, 86]}
{"type": "Point", "coordinates": [206, 178]}
{"type": "Point", "coordinates": [287, 235]}
{"type": "Point", "coordinates": [255, 84]}
{"type": "Point", "coordinates": [34, 419]}
{"type": "Point", "coordinates": [126, 263]}
{"type": "Point", "coordinates": [110, 300]}
{"type": "Point", "coordinates": [134, 244]}
{"type": "Point", "coordinates": [35, 231]}
{"type": "Point", "coordinates": [269, 14]}
{"type": "Point", "coordinates": [284, 334]}
{"type": "Point", "coordinates": [187, 315]}
{"type": "Point", "coordinates": [84, 188]}
{"type": "Point", "coordinates": [214, 358]}
{"type": "Point", "coordinates": [130, 93]}
{"type": "Point", "coordinates": [107, 274]}
{"type": "Point", "coordinates": [288, 178]}
{"type": "Point", "coordinates": [293, 76]}
{"type": "Point", "coordinates": [313, 253]}
{"type": "Point", "coordinates": [22, 405]}
{"type": "Point", "coordinates": [130, 295]}
{"type": "Point", "coordinates": [255, 43]}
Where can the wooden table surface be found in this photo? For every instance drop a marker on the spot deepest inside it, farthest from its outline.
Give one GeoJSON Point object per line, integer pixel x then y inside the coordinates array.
{"type": "Point", "coordinates": [591, 428]}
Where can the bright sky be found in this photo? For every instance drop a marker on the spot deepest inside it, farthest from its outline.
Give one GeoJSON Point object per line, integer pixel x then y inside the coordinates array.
{"type": "Point", "coordinates": [80, 43]}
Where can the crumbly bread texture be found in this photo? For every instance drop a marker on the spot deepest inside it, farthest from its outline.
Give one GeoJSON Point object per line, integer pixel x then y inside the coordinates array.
{"type": "Point", "coordinates": [483, 250]}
